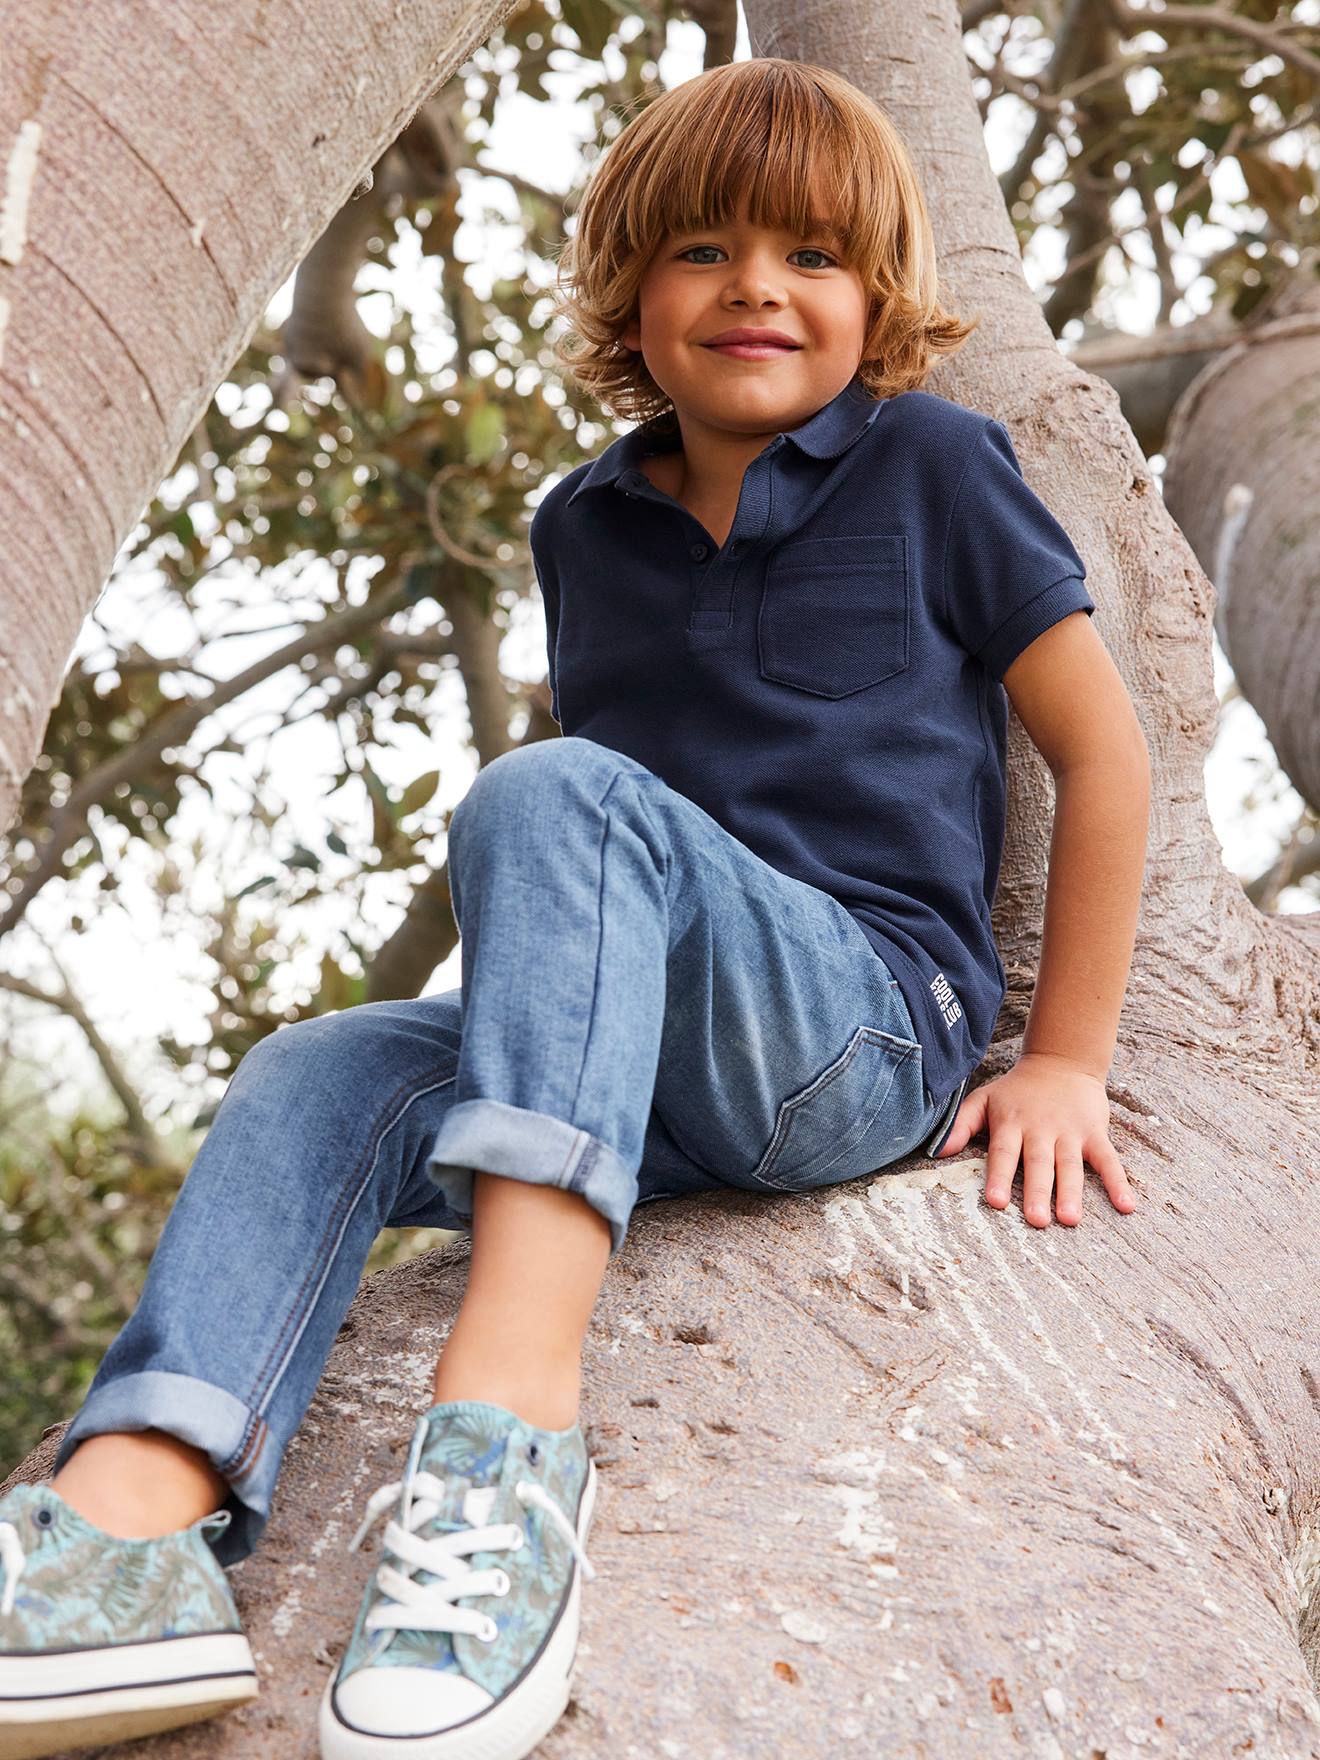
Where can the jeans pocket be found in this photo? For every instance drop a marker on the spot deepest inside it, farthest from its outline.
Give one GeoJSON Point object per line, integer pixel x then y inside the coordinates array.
{"type": "Point", "coordinates": [859, 1112]}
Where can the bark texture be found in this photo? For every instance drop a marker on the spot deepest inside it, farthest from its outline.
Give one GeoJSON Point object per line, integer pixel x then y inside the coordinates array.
{"type": "Point", "coordinates": [1243, 482]}
{"type": "Point", "coordinates": [884, 1472]}
{"type": "Point", "coordinates": [163, 170]}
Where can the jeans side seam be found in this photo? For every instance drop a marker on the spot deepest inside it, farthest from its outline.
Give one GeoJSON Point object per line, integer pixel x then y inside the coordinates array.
{"type": "Point", "coordinates": [600, 945]}
{"type": "Point", "coordinates": [600, 921]}
{"type": "Point", "coordinates": [660, 837]}
{"type": "Point", "coordinates": [272, 1370]}
{"type": "Point", "coordinates": [250, 1446]}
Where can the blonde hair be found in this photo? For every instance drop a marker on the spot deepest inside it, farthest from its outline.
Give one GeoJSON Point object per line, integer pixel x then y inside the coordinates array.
{"type": "Point", "coordinates": [773, 131]}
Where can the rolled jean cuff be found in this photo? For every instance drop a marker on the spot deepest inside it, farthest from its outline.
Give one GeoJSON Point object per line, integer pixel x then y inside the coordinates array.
{"type": "Point", "coordinates": [235, 1439]}
{"type": "Point", "coordinates": [492, 1137]}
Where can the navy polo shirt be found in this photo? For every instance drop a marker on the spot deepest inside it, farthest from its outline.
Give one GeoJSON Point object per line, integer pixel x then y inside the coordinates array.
{"type": "Point", "coordinates": [826, 683]}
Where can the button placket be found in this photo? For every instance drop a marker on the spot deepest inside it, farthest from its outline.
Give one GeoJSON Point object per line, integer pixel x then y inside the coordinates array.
{"type": "Point", "coordinates": [715, 572]}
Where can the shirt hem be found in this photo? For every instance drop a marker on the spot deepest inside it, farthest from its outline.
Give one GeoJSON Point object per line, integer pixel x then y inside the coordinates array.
{"type": "Point", "coordinates": [942, 1069]}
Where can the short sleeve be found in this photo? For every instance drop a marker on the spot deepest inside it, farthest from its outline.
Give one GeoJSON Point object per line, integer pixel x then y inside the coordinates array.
{"type": "Point", "coordinates": [548, 581]}
{"type": "Point", "coordinates": [1010, 569]}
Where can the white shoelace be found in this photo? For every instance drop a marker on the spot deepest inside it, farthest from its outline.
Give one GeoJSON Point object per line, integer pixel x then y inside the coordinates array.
{"type": "Point", "coordinates": [14, 1560]}
{"type": "Point", "coordinates": [430, 1607]}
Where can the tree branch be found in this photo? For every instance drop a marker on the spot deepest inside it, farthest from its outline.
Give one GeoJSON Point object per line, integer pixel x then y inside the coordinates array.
{"type": "Point", "coordinates": [150, 1146]}
{"type": "Point", "coordinates": [1202, 18]}
{"type": "Point", "coordinates": [175, 726]}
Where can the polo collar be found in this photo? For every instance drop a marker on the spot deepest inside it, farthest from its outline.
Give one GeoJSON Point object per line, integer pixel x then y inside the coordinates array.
{"type": "Point", "coordinates": [828, 434]}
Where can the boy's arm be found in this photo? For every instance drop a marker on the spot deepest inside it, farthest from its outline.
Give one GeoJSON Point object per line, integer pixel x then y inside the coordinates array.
{"type": "Point", "coordinates": [1069, 696]}
{"type": "Point", "coordinates": [1051, 1108]}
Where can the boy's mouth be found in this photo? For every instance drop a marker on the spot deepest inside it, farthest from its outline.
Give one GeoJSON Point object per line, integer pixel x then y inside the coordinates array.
{"type": "Point", "coordinates": [754, 343]}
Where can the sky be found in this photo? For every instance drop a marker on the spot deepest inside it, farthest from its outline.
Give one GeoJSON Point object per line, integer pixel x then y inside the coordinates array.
{"type": "Point", "coordinates": [139, 976]}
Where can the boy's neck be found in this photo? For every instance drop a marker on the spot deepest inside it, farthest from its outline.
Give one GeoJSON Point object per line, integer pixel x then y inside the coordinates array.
{"type": "Point", "coordinates": [703, 471]}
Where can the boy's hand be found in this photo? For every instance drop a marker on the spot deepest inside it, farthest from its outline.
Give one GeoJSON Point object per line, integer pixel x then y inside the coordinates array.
{"type": "Point", "coordinates": [1052, 1113]}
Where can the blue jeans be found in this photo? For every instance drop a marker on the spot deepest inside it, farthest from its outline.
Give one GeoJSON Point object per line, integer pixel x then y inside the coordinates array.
{"type": "Point", "coordinates": [647, 1010]}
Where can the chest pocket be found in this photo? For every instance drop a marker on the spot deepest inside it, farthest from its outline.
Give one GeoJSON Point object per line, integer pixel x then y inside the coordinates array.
{"type": "Point", "coordinates": [834, 615]}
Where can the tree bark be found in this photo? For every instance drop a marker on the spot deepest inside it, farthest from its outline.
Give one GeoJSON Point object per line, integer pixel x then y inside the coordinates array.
{"type": "Point", "coordinates": [1150, 373]}
{"type": "Point", "coordinates": [220, 142]}
{"type": "Point", "coordinates": [884, 1472]}
{"type": "Point", "coordinates": [1243, 481]}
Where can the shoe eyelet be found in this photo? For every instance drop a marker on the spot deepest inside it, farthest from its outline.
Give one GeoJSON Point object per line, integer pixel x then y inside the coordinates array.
{"type": "Point", "coordinates": [534, 1453]}
{"type": "Point", "coordinates": [44, 1516]}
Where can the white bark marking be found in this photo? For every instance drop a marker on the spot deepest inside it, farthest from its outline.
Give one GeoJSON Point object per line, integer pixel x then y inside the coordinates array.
{"type": "Point", "coordinates": [20, 172]}
{"type": "Point", "coordinates": [916, 1216]}
{"type": "Point", "coordinates": [1237, 505]}
{"type": "Point", "coordinates": [1304, 1566]}
{"type": "Point", "coordinates": [1119, 1447]}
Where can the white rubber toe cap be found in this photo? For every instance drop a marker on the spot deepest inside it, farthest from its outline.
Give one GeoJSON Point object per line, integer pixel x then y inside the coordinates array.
{"type": "Point", "coordinates": [408, 1701]}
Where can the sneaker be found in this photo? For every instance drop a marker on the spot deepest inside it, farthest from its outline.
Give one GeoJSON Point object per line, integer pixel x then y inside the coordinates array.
{"type": "Point", "coordinates": [467, 1635]}
{"type": "Point", "coordinates": [103, 1638]}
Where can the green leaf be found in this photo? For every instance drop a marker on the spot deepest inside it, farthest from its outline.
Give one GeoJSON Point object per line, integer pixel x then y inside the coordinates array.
{"type": "Point", "coordinates": [255, 885]}
{"type": "Point", "coordinates": [419, 792]}
{"type": "Point", "coordinates": [485, 432]}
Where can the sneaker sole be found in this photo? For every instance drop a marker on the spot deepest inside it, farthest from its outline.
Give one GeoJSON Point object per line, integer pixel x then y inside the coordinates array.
{"type": "Point", "coordinates": [77, 1697]}
{"type": "Point", "coordinates": [511, 1727]}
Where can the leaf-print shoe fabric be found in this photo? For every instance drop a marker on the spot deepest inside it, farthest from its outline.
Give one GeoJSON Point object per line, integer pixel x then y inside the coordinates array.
{"type": "Point", "coordinates": [101, 1638]}
{"type": "Point", "coordinates": [467, 1635]}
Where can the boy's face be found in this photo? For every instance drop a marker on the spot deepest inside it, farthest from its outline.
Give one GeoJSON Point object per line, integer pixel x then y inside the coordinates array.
{"type": "Point", "coordinates": [701, 284]}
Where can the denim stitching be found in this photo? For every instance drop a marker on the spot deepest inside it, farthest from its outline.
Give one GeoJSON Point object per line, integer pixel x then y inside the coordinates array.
{"type": "Point", "coordinates": [600, 938]}
{"type": "Point", "coordinates": [819, 1171]}
{"type": "Point", "coordinates": [864, 1035]}
{"type": "Point", "coordinates": [271, 1369]}
{"type": "Point", "coordinates": [600, 919]}
{"type": "Point", "coordinates": [244, 1456]}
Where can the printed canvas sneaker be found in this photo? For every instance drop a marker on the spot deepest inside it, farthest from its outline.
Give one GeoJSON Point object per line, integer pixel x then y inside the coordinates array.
{"type": "Point", "coordinates": [102, 1638]}
{"type": "Point", "coordinates": [467, 1635]}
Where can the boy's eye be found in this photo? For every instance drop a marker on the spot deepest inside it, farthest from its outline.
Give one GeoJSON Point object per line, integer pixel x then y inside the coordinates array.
{"type": "Point", "coordinates": [809, 250]}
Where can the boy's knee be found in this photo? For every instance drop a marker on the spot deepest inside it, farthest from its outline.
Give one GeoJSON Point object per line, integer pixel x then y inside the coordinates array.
{"type": "Point", "coordinates": [302, 1046]}
{"type": "Point", "coordinates": [516, 785]}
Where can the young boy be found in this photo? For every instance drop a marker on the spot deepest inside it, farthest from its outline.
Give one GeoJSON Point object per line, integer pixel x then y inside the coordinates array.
{"type": "Point", "coordinates": [733, 930]}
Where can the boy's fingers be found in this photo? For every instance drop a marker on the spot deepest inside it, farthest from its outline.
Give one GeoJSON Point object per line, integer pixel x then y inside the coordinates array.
{"type": "Point", "coordinates": [1038, 1180]}
{"type": "Point", "coordinates": [1071, 1182]}
{"type": "Point", "coordinates": [1104, 1158]}
{"type": "Point", "coordinates": [1001, 1164]}
{"type": "Point", "coordinates": [967, 1121]}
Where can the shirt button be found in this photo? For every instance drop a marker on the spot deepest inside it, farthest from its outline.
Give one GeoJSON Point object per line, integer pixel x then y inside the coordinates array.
{"type": "Point", "coordinates": [698, 552]}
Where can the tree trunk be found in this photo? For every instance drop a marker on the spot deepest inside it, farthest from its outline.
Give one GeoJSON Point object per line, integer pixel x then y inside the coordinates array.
{"type": "Point", "coordinates": [1151, 372]}
{"type": "Point", "coordinates": [884, 1472]}
{"type": "Point", "coordinates": [165, 171]}
{"type": "Point", "coordinates": [1243, 481]}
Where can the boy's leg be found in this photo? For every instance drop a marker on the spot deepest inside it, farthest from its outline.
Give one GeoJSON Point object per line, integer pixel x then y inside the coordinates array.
{"type": "Point", "coordinates": [603, 916]}
{"type": "Point", "coordinates": [140, 1484]}
{"type": "Point", "coordinates": [320, 1139]}
{"type": "Point", "coordinates": [538, 1256]}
